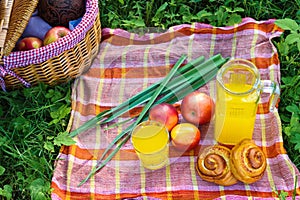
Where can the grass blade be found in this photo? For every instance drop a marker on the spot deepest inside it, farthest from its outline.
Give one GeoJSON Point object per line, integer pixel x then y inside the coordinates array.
{"type": "Point", "coordinates": [295, 188]}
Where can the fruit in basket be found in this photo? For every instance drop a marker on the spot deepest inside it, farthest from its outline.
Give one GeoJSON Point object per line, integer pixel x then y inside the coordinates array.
{"type": "Point", "coordinates": [29, 43]}
{"type": "Point", "coordinates": [185, 136]}
{"type": "Point", "coordinates": [60, 12]}
{"type": "Point", "coordinates": [55, 34]}
{"type": "Point", "coordinates": [197, 108]}
{"type": "Point", "coordinates": [164, 113]}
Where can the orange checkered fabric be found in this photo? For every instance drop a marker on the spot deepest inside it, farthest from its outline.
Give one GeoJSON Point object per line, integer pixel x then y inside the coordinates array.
{"type": "Point", "coordinates": [126, 64]}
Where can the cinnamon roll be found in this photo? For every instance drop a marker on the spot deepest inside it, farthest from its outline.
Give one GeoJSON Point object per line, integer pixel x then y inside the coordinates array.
{"type": "Point", "coordinates": [213, 165]}
{"type": "Point", "coordinates": [247, 161]}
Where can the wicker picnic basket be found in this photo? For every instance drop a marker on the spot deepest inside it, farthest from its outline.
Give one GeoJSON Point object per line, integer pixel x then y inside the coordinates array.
{"type": "Point", "coordinates": [55, 63]}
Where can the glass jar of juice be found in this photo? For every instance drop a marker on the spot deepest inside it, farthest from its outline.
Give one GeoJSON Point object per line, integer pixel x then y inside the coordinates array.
{"type": "Point", "coordinates": [239, 88]}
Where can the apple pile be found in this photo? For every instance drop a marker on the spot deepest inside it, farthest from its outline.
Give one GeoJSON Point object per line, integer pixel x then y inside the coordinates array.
{"type": "Point", "coordinates": [52, 35]}
{"type": "Point", "coordinates": [196, 108]}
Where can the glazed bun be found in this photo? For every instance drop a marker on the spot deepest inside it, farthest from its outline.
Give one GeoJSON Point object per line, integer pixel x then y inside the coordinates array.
{"type": "Point", "coordinates": [247, 161]}
{"type": "Point", "coordinates": [213, 165]}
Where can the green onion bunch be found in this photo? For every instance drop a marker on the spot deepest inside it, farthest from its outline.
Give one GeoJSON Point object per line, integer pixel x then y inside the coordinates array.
{"type": "Point", "coordinates": [179, 82]}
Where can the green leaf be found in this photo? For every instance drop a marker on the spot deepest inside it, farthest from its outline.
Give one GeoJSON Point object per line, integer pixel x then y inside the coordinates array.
{"type": "Point", "coordinates": [229, 10]}
{"type": "Point", "coordinates": [238, 9]}
{"type": "Point", "coordinates": [283, 48]}
{"type": "Point", "coordinates": [298, 91]}
{"type": "Point", "coordinates": [49, 146]}
{"type": "Point", "coordinates": [64, 139]}
{"type": "Point", "coordinates": [293, 108]}
{"type": "Point", "coordinates": [59, 114]}
{"type": "Point", "coordinates": [161, 8]}
{"type": "Point", "coordinates": [292, 38]}
{"type": "Point", "coordinates": [287, 24]}
{"type": "Point", "coordinates": [21, 124]}
{"type": "Point", "coordinates": [54, 121]}
{"type": "Point", "coordinates": [283, 194]}
{"type": "Point", "coordinates": [203, 13]}
{"type": "Point", "coordinates": [3, 140]}
{"type": "Point", "coordinates": [51, 137]}
{"type": "Point", "coordinates": [6, 192]}
{"type": "Point", "coordinates": [159, 13]}
{"type": "Point", "coordinates": [287, 131]}
{"type": "Point", "coordinates": [2, 170]}
{"type": "Point", "coordinates": [54, 95]}
{"type": "Point", "coordinates": [287, 80]}
{"type": "Point", "coordinates": [139, 22]}
{"type": "Point", "coordinates": [121, 2]}
{"type": "Point", "coordinates": [234, 19]}
{"type": "Point", "coordinates": [38, 189]}
{"type": "Point", "coordinates": [20, 176]}
{"type": "Point", "coordinates": [221, 17]}
{"type": "Point", "coordinates": [297, 147]}
{"type": "Point", "coordinates": [136, 23]}
{"type": "Point", "coordinates": [295, 120]}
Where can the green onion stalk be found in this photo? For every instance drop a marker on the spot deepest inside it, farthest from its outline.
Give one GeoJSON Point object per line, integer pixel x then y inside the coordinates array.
{"type": "Point", "coordinates": [175, 86]}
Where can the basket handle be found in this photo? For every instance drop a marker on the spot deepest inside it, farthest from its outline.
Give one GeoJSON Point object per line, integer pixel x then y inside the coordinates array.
{"type": "Point", "coordinates": [5, 71]}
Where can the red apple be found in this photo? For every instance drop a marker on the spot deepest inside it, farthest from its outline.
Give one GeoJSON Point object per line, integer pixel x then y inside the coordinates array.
{"type": "Point", "coordinates": [164, 113]}
{"type": "Point", "coordinates": [185, 136]}
{"type": "Point", "coordinates": [29, 43]}
{"type": "Point", "coordinates": [197, 108]}
{"type": "Point", "coordinates": [55, 34]}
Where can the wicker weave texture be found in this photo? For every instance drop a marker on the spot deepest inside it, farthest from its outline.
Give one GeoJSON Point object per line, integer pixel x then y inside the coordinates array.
{"type": "Point", "coordinates": [5, 11]}
{"type": "Point", "coordinates": [58, 68]}
{"type": "Point", "coordinates": [19, 18]}
{"type": "Point", "coordinates": [68, 65]}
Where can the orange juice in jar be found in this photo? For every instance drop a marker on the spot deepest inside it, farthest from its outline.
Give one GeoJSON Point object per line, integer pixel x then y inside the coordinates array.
{"type": "Point", "coordinates": [150, 140]}
{"type": "Point", "coordinates": [238, 92]}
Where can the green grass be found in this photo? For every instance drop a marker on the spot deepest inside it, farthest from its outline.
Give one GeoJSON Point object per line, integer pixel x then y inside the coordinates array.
{"type": "Point", "coordinates": [30, 121]}
{"type": "Point", "coordinates": [33, 121]}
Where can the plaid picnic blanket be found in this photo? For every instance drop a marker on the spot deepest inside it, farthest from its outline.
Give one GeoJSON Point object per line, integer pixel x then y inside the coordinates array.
{"type": "Point", "coordinates": [129, 62]}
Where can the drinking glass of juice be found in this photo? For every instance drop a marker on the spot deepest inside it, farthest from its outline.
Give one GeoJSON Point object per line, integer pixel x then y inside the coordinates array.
{"type": "Point", "coordinates": [239, 88]}
{"type": "Point", "coordinates": [150, 140]}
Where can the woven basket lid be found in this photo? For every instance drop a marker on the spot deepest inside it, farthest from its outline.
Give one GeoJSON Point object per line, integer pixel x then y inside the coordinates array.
{"type": "Point", "coordinates": [14, 17]}
{"type": "Point", "coordinates": [5, 10]}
